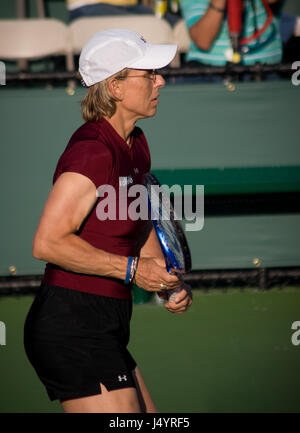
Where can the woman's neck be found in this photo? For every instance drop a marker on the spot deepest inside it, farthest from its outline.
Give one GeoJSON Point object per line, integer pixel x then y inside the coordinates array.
{"type": "Point", "coordinates": [122, 126]}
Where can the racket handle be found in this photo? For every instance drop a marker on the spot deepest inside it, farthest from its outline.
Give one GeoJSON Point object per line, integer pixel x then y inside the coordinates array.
{"type": "Point", "coordinates": [172, 294]}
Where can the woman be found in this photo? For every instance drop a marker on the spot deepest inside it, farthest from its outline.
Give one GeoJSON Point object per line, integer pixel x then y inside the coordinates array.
{"type": "Point", "coordinates": [77, 329]}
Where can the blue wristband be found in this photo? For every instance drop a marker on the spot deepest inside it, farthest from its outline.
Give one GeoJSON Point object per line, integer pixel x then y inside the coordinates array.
{"type": "Point", "coordinates": [127, 278]}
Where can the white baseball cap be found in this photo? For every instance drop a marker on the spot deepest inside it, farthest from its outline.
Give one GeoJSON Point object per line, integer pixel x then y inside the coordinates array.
{"type": "Point", "coordinates": [110, 51]}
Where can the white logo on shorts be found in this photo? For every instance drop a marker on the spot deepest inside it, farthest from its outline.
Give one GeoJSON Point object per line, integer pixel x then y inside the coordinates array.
{"type": "Point", "coordinates": [124, 377]}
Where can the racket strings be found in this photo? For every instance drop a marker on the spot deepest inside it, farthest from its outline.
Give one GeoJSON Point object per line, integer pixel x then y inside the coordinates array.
{"type": "Point", "coordinates": [163, 217]}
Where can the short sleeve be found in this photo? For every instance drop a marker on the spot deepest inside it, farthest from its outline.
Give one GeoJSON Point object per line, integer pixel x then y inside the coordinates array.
{"type": "Point", "coordinates": [193, 10]}
{"type": "Point", "coordinates": [89, 158]}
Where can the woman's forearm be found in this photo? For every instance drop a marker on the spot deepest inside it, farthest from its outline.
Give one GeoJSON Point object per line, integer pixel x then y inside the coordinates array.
{"type": "Point", "coordinates": [75, 254]}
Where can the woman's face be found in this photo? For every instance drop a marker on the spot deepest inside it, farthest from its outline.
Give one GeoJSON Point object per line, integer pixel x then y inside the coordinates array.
{"type": "Point", "coordinates": [140, 93]}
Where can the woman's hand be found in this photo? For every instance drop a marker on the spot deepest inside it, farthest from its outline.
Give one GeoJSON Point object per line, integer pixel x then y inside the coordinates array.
{"type": "Point", "coordinates": [179, 301]}
{"type": "Point", "coordinates": [151, 275]}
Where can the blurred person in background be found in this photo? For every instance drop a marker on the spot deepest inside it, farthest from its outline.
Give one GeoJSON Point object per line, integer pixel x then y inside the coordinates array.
{"type": "Point", "coordinates": [208, 28]}
{"type": "Point", "coordinates": [93, 8]}
{"type": "Point", "coordinates": [289, 31]}
{"type": "Point", "coordinates": [289, 23]}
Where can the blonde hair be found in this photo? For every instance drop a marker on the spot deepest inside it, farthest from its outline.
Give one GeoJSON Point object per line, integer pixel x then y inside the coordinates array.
{"type": "Point", "coordinates": [99, 101]}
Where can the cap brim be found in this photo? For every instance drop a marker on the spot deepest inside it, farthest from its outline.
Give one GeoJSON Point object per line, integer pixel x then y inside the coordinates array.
{"type": "Point", "coordinates": [157, 56]}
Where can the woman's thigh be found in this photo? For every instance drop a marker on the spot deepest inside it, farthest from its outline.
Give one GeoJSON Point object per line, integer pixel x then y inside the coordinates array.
{"type": "Point", "coordinates": [116, 401]}
{"type": "Point", "coordinates": [146, 403]}
{"type": "Point", "coordinates": [126, 400]}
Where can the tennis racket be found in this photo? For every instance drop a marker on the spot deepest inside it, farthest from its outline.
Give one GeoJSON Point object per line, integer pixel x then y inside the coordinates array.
{"type": "Point", "coordinates": [168, 229]}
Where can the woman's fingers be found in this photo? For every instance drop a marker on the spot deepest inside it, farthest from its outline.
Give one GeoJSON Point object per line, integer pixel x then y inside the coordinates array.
{"type": "Point", "coordinates": [181, 301]}
{"type": "Point", "coordinates": [178, 308]}
{"type": "Point", "coordinates": [152, 275]}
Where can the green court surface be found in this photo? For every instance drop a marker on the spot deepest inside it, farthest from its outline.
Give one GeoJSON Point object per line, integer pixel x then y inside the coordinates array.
{"type": "Point", "coordinates": [231, 352]}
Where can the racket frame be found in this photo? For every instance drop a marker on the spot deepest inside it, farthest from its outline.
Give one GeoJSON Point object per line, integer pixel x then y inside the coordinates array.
{"type": "Point", "coordinates": [170, 259]}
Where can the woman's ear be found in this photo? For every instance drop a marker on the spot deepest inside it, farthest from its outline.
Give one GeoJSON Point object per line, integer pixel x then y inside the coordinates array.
{"type": "Point", "coordinates": [115, 87]}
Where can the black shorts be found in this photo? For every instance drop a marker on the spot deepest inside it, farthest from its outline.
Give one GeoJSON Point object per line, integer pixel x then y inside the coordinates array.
{"type": "Point", "coordinates": [75, 340]}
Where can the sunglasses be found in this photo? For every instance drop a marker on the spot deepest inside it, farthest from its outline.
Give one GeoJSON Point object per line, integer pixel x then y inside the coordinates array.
{"type": "Point", "coordinates": [150, 75]}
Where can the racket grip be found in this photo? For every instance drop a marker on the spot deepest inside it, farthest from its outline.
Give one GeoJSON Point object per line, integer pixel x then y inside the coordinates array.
{"type": "Point", "coordinates": [172, 294]}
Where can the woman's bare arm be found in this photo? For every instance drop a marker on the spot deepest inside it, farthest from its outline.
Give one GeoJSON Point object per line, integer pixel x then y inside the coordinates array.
{"type": "Point", "coordinates": [70, 201]}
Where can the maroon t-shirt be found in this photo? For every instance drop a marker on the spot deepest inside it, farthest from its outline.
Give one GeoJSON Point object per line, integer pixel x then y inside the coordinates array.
{"type": "Point", "coordinates": [98, 152]}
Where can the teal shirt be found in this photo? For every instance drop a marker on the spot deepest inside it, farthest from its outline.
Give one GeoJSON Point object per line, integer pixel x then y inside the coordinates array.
{"type": "Point", "coordinates": [267, 49]}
